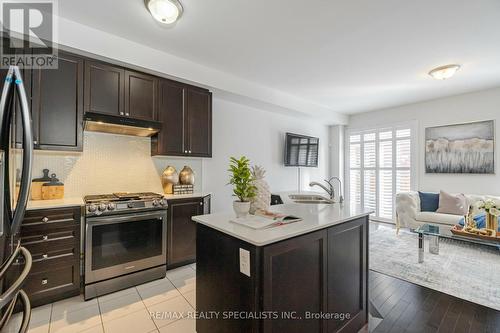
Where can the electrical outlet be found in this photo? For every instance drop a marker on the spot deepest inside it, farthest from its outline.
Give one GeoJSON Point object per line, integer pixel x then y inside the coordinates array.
{"type": "Point", "coordinates": [245, 262]}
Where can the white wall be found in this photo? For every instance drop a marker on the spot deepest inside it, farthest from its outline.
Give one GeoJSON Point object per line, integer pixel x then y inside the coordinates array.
{"type": "Point", "coordinates": [483, 105]}
{"type": "Point", "coordinates": [259, 135]}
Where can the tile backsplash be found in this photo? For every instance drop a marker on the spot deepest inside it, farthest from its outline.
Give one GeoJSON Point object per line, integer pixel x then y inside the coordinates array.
{"type": "Point", "coordinates": [111, 163]}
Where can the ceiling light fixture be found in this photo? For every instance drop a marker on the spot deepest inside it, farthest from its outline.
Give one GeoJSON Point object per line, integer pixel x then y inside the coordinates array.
{"type": "Point", "coordinates": [164, 11]}
{"type": "Point", "coordinates": [444, 72]}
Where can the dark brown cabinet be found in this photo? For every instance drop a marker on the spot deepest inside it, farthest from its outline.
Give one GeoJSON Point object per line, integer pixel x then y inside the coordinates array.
{"type": "Point", "coordinates": [198, 127]}
{"type": "Point", "coordinates": [119, 92]}
{"type": "Point", "coordinates": [347, 248]}
{"type": "Point", "coordinates": [311, 276]}
{"type": "Point", "coordinates": [141, 98]}
{"type": "Point", "coordinates": [295, 275]}
{"type": "Point", "coordinates": [57, 105]}
{"type": "Point", "coordinates": [53, 238]}
{"type": "Point", "coordinates": [186, 116]}
{"type": "Point", "coordinates": [170, 140]}
{"type": "Point", "coordinates": [181, 233]}
{"type": "Point", "coordinates": [104, 88]}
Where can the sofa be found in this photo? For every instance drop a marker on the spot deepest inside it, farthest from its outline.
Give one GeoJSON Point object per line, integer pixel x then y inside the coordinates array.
{"type": "Point", "coordinates": [409, 215]}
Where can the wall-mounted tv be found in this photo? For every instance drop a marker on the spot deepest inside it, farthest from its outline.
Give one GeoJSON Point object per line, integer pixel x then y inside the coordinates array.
{"type": "Point", "coordinates": [301, 150]}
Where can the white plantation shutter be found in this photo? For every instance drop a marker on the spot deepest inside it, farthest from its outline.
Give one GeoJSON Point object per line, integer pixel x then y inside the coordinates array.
{"type": "Point", "coordinates": [379, 166]}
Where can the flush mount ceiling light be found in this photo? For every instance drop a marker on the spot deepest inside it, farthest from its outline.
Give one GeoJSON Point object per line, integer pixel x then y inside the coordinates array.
{"type": "Point", "coordinates": [444, 72]}
{"type": "Point", "coordinates": [164, 11]}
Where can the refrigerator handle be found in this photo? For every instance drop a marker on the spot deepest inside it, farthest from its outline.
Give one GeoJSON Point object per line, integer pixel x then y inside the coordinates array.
{"type": "Point", "coordinates": [4, 100]}
{"type": "Point", "coordinates": [24, 188]}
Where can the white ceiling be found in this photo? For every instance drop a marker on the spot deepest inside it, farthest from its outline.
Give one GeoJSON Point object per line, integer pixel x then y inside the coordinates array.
{"type": "Point", "coordinates": [347, 55]}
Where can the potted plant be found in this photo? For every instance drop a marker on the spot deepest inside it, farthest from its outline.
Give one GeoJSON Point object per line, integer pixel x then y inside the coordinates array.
{"type": "Point", "coordinates": [242, 181]}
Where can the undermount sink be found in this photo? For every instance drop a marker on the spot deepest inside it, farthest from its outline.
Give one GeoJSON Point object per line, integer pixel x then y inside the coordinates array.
{"type": "Point", "coordinates": [309, 199]}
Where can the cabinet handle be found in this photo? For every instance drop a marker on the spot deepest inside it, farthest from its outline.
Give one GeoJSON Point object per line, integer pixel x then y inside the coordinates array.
{"type": "Point", "coordinates": [185, 151]}
{"type": "Point", "coordinates": [121, 113]}
{"type": "Point", "coordinates": [201, 203]}
{"type": "Point", "coordinates": [45, 256]}
{"type": "Point", "coordinates": [35, 142]}
{"type": "Point", "coordinates": [45, 237]}
{"type": "Point", "coordinates": [45, 219]}
{"type": "Point", "coordinates": [45, 281]}
{"type": "Point", "coordinates": [190, 151]}
{"type": "Point", "coordinates": [127, 114]}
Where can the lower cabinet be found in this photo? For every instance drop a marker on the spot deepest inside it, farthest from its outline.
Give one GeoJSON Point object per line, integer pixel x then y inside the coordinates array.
{"type": "Point", "coordinates": [314, 283]}
{"type": "Point", "coordinates": [53, 238]}
{"type": "Point", "coordinates": [347, 287]}
{"type": "Point", "coordinates": [181, 231]}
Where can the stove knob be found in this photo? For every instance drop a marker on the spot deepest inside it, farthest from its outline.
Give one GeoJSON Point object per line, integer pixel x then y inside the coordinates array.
{"type": "Point", "coordinates": [92, 208]}
{"type": "Point", "coordinates": [155, 202]}
{"type": "Point", "coordinates": [111, 206]}
{"type": "Point", "coordinates": [102, 207]}
{"type": "Point", "coordinates": [163, 201]}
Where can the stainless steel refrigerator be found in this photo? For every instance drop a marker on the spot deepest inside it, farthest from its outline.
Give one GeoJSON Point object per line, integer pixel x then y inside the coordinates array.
{"type": "Point", "coordinates": [15, 180]}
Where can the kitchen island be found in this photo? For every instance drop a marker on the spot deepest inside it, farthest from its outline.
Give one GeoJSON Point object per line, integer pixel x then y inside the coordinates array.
{"type": "Point", "coordinates": [309, 276]}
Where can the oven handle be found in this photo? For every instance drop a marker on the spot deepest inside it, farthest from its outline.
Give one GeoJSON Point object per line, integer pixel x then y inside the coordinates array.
{"type": "Point", "coordinates": [101, 220]}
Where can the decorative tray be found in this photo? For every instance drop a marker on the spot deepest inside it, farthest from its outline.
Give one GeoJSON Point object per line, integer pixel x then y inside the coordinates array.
{"type": "Point", "coordinates": [458, 230]}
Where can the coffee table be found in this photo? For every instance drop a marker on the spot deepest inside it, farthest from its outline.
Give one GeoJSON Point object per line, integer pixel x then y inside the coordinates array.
{"type": "Point", "coordinates": [435, 232]}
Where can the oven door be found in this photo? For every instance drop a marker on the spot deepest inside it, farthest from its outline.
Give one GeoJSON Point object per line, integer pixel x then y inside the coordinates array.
{"type": "Point", "coordinates": [122, 244]}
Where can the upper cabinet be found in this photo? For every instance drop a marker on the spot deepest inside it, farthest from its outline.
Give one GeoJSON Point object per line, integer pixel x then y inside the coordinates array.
{"type": "Point", "coordinates": [186, 115]}
{"type": "Point", "coordinates": [141, 95]}
{"type": "Point", "coordinates": [120, 92]}
{"type": "Point", "coordinates": [57, 105]}
{"type": "Point", "coordinates": [104, 89]}
{"type": "Point", "coordinates": [170, 140]}
{"type": "Point", "coordinates": [198, 124]}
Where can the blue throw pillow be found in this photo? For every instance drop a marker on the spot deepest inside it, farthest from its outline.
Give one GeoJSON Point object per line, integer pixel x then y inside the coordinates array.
{"type": "Point", "coordinates": [429, 202]}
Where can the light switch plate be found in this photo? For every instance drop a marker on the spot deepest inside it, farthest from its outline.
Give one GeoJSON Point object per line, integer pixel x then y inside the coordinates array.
{"type": "Point", "coordinates": [245, 262]}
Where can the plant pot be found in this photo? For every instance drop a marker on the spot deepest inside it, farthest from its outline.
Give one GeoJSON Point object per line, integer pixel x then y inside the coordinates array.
{"type": "Point", "coordinates": [241, 208]}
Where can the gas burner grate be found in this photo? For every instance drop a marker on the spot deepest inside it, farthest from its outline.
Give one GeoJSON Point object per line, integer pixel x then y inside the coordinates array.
{"type": "Point", "coordinates": [121, 196]}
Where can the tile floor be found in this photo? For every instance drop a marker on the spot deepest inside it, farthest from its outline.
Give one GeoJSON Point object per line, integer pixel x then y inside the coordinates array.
{"type": "Point", "coordinates": [124, 311]}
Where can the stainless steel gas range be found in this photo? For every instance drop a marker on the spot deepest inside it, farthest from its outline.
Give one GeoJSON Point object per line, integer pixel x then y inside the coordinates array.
{"type": "Point", "coordinates": [125, 241]}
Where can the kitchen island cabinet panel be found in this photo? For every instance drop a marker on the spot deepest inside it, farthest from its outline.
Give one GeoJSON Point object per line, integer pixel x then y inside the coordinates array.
{"type": "Point", "coordinates": [295, 281]}
{"type": "Point", "coordinates": [347, 248]}
{"type": "Point", "coordinates": [313, 282]}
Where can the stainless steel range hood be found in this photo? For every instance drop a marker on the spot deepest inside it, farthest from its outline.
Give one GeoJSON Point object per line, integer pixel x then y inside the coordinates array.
{"type": "Point", "coordinates": [97, 122]}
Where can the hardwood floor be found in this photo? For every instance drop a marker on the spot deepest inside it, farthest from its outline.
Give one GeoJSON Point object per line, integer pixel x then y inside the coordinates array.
{"type": "Point", "coordinates": [406, 307]}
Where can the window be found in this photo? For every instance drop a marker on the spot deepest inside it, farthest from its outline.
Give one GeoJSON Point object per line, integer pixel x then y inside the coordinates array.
{"type": "Point", "coordinates": [379, 166]}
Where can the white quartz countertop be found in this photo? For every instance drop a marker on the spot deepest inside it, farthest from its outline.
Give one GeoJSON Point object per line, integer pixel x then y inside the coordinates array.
{"type": "Point", "coordinates": [57, 203]}
{"type": "Point", "coordinates": [186, 196]}
{"type": "Point", "coordinates": [314, 217]}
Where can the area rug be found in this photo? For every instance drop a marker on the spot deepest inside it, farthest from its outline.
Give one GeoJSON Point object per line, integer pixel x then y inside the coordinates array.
{"type": "Point", "coordinates": [460, 269]}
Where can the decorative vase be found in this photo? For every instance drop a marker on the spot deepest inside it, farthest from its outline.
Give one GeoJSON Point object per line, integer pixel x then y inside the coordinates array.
{"type": "Point", "coordinates": [241, 208]}
{"type": "Point", "coordinates": [169, 178]}
{"type": "Point", "coordinates": [491, 222]}
{"type": "Point", "coordinates": [262, 199]}
{"type": "Point", "coordinates": [186, 176]}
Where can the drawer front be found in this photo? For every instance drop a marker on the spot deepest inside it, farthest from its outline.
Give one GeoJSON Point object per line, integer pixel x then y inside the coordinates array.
{"type": "Point", "coordinates": [52, 281]}
{"type": "Point", "coordinates": [39, 234]}
{"type": "Point", "coordinates": [51, 218]}
{"type": "Point", "coordinates": [53, 248]}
